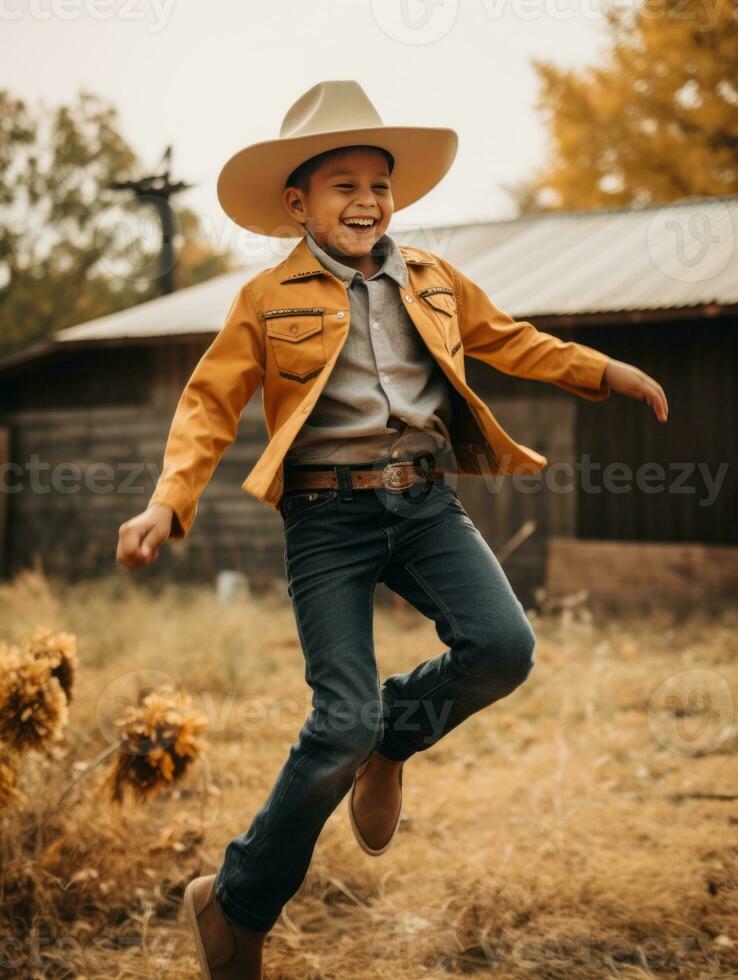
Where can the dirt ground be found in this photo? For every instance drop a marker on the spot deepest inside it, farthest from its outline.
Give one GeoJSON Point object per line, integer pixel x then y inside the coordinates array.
{"type": "Point", "coordinates": [583, 827]}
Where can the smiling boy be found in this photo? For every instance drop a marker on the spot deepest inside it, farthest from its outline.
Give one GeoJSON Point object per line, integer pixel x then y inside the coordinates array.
{"type": "Point", "coordinates": [359, 344]}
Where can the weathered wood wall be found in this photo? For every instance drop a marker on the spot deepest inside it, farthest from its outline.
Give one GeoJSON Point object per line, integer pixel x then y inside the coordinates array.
{"type": "Point", "coordinates": [638, 572]}
{"type": "Point", "coordinates": [696, 362]}
{"type": "Point", "coordinates": [109, 410]}
{"type": "Point", "coordinates": [96, 467]}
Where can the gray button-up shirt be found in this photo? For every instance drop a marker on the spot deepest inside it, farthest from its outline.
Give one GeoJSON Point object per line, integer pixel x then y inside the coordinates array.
{"type": "Point", "coordinates": [386, 396]}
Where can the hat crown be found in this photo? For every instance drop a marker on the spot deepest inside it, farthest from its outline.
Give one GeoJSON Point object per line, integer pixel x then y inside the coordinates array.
{"type": "Point", "coordinates": [330, 106]}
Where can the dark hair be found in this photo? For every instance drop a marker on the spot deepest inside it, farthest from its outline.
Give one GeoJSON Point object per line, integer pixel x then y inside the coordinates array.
{"type": "Point", "coordinates": [300, 176]}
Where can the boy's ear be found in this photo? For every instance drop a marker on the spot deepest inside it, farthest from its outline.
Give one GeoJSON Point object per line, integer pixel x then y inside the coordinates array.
{"type": "Point", "coordinates": [292, 199]}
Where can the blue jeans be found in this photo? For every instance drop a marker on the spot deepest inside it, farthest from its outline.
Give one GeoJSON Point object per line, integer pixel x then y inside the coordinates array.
{"type": "Point", "coordinates": [338, 545]}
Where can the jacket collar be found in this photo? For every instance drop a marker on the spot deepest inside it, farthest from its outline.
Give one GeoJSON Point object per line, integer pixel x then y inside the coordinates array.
{"type": "Point", "coordinates": [302, 262]}
{"type": "Point", "coordinates": [393, 264]}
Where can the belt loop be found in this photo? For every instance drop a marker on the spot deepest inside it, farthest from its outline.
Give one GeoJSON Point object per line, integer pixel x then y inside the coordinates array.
{"type": "Point", "coordinates": [343, 476]}
{"type": "Point", "coordinates": [424, 462]}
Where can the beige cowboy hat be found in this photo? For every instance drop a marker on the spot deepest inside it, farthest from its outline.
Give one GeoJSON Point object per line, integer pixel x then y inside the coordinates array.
{"type": "Point", "coordinates": [329, 115]}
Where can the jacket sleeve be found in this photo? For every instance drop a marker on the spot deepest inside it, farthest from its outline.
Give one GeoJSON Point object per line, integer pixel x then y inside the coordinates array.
{"type": "Point", "coordinates": [206, 417]}
{"type": "Point", "coordinates": [517, 347]}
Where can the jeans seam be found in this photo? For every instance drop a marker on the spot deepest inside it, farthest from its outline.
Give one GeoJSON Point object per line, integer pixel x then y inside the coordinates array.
{"type": "Point", "coordinates": [431, 592]}
{"type": "Point", "coordinates": [273, 809]}
{"type": "Point", "coordinates": [377, 675]}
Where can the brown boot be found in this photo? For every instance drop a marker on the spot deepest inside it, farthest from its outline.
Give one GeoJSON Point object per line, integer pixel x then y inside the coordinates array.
{"type": "Point", "coordinates": [375, 803]}
{"type": "Point", "coordinates": [226, 952]}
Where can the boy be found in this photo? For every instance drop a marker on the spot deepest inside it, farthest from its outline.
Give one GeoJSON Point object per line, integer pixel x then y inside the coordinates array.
{"type": "Point", "coordinates": [363, 425]}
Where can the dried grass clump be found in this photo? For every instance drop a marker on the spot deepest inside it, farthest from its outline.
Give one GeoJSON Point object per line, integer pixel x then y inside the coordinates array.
{"type": "Point", "coordinates": [9, 774]}
{"type": "Point", "coordinates": [33, 705]}
{"type": "Point", "coordinates": [36, 682]}
{"type": "Point", "coordinates": [158, 743]}
{"type": "Point", "coordinates": [59, 650]}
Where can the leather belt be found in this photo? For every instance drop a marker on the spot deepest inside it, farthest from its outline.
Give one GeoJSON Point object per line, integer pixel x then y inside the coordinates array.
{"type": "Point", "coordinates": [395, 477]}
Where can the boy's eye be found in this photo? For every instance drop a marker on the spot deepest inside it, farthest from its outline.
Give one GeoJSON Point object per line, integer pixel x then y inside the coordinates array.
{"type": "Point", "coordinates": [381, 187]}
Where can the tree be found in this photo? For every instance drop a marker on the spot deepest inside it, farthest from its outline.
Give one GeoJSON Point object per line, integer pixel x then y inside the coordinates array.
{"type": "Point", "coordinates": [658, 121]}
{"type": "Point", "coordinates": [71, 248]}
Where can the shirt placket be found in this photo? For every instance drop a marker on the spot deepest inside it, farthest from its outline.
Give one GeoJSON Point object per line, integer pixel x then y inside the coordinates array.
{"type": "Point", "coordinates": [382, 355]}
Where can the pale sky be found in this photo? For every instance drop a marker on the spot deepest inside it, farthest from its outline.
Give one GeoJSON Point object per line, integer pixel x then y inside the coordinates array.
{"type": "Point", "coordinates": [213, 77]}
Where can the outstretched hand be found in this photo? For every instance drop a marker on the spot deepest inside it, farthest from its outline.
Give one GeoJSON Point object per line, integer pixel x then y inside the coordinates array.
{"type": "Point", "coordinates": [630, 380]}
{"type": "Point", "coordinates": [140, 537]}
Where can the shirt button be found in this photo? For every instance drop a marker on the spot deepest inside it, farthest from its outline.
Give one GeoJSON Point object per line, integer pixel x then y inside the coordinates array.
{"type": "Point", "coordinates": [375, 325]}
{"type": "Point", "coordinates": [386, 378]}
{"type": "Point", "coordinates": [395, 453]}
{"type": "Point", "coordinates": [340, 314]}
{"type": "Point", "coordinates": [409, 298]}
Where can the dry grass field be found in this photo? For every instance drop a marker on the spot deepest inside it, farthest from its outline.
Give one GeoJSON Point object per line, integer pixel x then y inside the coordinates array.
{"type": "Point", "coordinates": [584, 827]}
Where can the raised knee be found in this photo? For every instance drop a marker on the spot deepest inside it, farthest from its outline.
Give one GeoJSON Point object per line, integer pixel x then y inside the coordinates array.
{"type": "Point", "coordinates": [508, 653]}
{"type": "Point", "coordinates": [521, 650]}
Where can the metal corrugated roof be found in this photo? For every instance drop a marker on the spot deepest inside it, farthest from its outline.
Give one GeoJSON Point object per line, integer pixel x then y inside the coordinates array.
{"type": "Point", "coordinates": [660, 257]}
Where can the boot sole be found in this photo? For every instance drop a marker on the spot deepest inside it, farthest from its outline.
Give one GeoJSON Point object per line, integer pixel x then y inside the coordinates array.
{"type": "Point", "coordinates": [188, 903]}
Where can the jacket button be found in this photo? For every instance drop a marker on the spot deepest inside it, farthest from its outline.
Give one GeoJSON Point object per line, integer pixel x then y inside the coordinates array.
{"type": "Point", "coordinates": [409, 299]}
{"type": "Point", "coordinates": [340, 314]}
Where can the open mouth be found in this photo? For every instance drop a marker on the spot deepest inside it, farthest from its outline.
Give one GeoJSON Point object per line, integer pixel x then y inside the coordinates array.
{"type": "Point", "coordinates": [360, 224]}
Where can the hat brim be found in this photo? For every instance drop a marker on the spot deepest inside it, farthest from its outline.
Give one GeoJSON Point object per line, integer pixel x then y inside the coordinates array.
{"type": "Point", "coordinates": [251, 183]}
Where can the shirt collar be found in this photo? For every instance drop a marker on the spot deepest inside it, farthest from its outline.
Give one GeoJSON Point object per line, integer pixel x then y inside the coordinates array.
{"type": "Point", "coordinates": [393, 264]}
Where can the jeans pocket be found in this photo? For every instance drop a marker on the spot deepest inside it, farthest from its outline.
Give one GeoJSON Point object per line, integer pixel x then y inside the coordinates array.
{"type": "Point", "coordinates": [296, 505]}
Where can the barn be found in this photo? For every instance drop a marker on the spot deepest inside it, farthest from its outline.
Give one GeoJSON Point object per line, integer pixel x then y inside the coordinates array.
{"type": "Point", "coordinates": [626, 507]}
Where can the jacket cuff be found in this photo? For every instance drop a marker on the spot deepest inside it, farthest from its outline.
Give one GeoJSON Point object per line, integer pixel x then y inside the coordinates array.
{"type": "Point", "coordinates": [174, 495]}
{"type": "Point", "coordinates": [590, 375]}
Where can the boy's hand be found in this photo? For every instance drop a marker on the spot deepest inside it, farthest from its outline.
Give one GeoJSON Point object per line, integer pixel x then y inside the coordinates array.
{"type": "Point", "coordinates": [629, 380]}
{"type": "Point", "coordinates": [139, 538]}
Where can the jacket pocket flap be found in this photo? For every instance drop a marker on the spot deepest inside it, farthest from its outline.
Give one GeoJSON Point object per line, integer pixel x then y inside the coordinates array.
{"type": "Point", "coordinates": [294, 328]}
{"type": "Point", "coordinates": [443, 301]}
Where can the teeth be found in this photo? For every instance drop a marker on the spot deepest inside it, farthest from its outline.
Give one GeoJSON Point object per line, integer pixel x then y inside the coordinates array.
{"type": "Point", "coordinates": [359, 221]}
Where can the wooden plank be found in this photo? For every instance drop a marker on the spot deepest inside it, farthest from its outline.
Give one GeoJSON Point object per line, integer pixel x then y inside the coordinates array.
{"type": "Point", "coordinates": [4, 461]}
{"type": "Point", "coordinates": [638, 570]}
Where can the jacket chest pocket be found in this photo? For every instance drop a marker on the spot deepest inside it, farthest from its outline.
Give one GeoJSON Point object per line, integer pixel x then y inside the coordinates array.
{"type": "Point", "coordinates": [442, 305]}
{"type": "Point", "coordinates": [296, 341]}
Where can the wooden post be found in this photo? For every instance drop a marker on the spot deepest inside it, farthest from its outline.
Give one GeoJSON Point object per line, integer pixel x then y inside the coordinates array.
{"type": "Point", "coordinates": [4, 461]}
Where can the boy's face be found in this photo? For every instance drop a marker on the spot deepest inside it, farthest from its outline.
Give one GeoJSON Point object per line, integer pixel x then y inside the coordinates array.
{"type": "Point", "coordinates": [357, 184]}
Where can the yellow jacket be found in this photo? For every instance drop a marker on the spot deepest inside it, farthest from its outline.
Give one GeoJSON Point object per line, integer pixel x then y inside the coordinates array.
{"type": "Point", "coordinates": [285, 330]}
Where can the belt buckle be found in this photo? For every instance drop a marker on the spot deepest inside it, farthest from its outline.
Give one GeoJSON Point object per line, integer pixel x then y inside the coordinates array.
{"type": "Point", "coordinates": [392, 479]}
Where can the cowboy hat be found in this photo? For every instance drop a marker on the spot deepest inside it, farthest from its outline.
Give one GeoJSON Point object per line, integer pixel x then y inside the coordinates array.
{"type": "Point", "coordinates": [329, 115]}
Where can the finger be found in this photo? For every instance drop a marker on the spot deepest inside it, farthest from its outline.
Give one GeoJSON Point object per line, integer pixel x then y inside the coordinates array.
{"type": "Point", "coordinates": [655, 402]}
{"type": "Point", "coordinates": [149, 545]}
{"type": "Point", "coordinates": [129, 552]}
{"type": "Point", "coordinates": [666, 404]}
{"type": "Point", "coordinates": [128, 560]}
{"type": "Point", "coordinates": [661, 412]}
{"type": "Point", "coordinates": [126, 547]}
